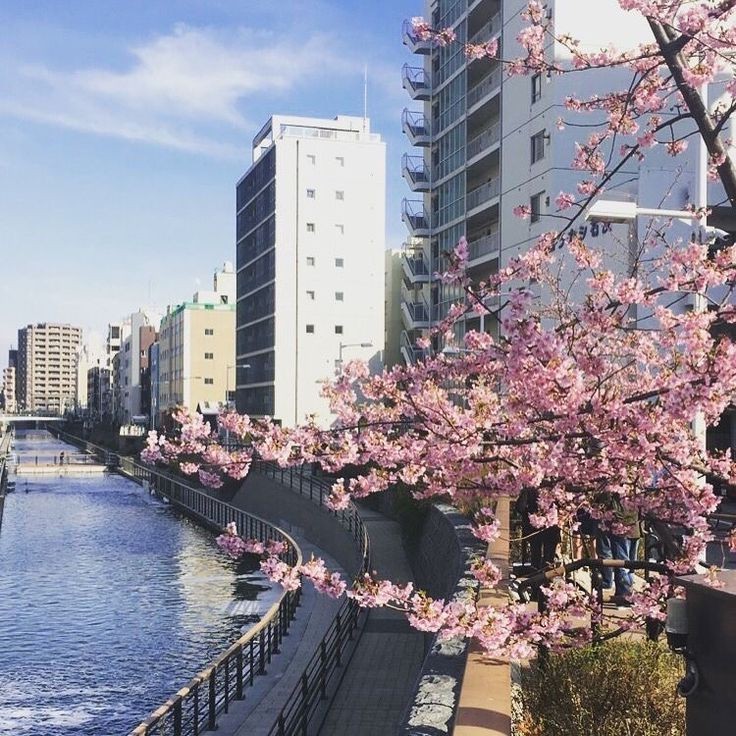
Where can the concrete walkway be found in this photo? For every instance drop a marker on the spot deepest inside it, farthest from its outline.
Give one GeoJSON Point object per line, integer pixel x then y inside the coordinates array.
{"type": "Point", "coordinates": [379, 680]}
{"type": "Point", "coordinates": [258, 711]}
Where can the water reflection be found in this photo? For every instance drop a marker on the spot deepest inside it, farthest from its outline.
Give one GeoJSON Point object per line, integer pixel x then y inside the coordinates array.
{"type": "Point", "coordinates": [109, 602]}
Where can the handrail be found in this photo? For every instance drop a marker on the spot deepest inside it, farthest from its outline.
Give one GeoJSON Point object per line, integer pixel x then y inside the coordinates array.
{"type": "Point", "coordinates": [196, 706]}
{"type": "Point", "coordinates": [304, 700]}
{"type": "Point", "coordinates": [478, 91]}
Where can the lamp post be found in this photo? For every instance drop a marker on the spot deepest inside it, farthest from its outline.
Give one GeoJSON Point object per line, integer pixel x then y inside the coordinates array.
{"type": "Point", "coordinates": [344, 345]}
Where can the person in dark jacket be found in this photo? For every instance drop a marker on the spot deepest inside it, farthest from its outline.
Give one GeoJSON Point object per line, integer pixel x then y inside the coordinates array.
{"type": "Point", "coordinates": [542, 542]}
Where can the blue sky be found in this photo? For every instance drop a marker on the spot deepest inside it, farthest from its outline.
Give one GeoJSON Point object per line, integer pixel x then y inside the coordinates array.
{"type": "Point", "coordinates": [125, 124]}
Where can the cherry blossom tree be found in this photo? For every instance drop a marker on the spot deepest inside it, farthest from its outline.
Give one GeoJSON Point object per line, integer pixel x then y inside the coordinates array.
{"type": "Point", "coordinates": [587, 394]}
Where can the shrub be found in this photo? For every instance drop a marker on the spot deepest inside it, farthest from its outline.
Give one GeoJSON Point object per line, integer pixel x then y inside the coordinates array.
{"type": "Point", "coordinates": [620, 688]}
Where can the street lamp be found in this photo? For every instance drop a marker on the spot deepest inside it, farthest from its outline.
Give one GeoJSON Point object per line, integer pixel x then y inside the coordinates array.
{"type": "Point", "coordinates": [606, 210]}
{"type": "Point", "coordinates": [344, 345]}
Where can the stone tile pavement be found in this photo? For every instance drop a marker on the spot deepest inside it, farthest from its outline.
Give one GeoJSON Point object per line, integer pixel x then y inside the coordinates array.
{"type": "Point", "coordinates": [379, 681]}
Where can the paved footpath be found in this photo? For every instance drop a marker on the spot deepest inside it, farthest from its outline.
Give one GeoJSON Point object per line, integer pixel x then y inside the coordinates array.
{"type": "Point", "coordinates": [258, 711]}
{"type": "Point", "coordinates": [379, 681]}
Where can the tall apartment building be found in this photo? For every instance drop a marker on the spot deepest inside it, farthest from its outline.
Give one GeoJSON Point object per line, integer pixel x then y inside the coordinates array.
{"type": "Point", "coordinates": [47, 367]}
{"type": "Point", "coordinates": [196, 348]}
{"type": "Point", "coordinates": [310, 241]}
{"type": "Point", "coordinates": [9, 401]}
{"type": "Point", "coordinates": [486, 142]}
{"type": "Point", "coordinates": [128, 353]}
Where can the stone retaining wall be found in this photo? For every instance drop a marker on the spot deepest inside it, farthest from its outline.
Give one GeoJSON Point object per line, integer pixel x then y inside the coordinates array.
{"type": "Point", "coordinates": [441, 564]}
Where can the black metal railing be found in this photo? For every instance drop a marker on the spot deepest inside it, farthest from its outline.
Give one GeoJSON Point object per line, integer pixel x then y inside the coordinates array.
{"type": "Point", "coordinates": [312, 689]}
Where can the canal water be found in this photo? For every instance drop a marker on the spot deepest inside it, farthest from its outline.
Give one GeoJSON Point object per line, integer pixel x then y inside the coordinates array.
{"type": "Point", "coordinates": [109, 602]}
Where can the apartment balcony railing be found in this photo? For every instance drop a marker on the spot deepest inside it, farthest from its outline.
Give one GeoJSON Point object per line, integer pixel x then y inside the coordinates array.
{"type": "Point", "coordinates": [415, 44]}
{"type": "Point", "coordinates": [416, 82]}
{"type": "Point", "coordinates": [487, 245]}
{"type": "Point", "coordinates": [415, 217]}
{"type": "Point", "coordinates": [414, 309]}
{"type": "Point", "coordinates": [489, 137]}
{"type": "Point", "coordinates": [415, 265]}
{"type": "Point", "coordinates": [486, 85]}
{"type": "Point", "coordinates": [483, 194]}
{"type": "Point", "coordinates": [416, 127]}
{"type": "Point", "coordinates": [416, 173]}
{"type": "Point", "coordinates": [487, 31]}
{"type": "Point", "coordinates": [409, 351]}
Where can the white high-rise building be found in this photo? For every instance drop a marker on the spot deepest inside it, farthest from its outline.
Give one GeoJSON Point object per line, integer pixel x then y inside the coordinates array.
{"type": "Point", "coordinates": [310, 262]}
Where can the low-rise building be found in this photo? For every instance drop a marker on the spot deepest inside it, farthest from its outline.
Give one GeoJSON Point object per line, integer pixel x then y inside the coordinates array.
{"type": "Point", "coordinates": [196, 347]}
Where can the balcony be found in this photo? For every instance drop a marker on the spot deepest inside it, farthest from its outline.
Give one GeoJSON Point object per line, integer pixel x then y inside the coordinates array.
{"type": "Point", "coordinates": [416, 82]}
{"type": "Point", "coordinates": [416, 173]}
{"type": "Point", "coordinates": [409, 351]}
{"type": "Point", "coordinates": [410, 39]}
{"type": "Point", "coordinates": [416, 127]}
{"type": "Point", "coordinates": [483, 194]}
{"type": "Point", "coordinates": [489, 137]}
{"type": "Point", "coordinates": [414, 310]}
{"type": "Point", "coordinates": [415, 217]}
{"type": "Point", "coordinates": [488, 245]}
{"type": "Point", "coordinates": [415, 265]}
{"type": "Point", "coordinates": [484, 88]}
{"type": "Point", "coordinates": [487, 31]}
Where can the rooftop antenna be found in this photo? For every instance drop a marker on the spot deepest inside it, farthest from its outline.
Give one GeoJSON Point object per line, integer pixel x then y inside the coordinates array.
{"type": "Point", "coordinates": [365, 97]}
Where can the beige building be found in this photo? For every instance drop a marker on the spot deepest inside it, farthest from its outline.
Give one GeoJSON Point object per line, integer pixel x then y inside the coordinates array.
{"type": "Point", "coordinates": [47, 367]}
{"type": "Point", "coordinates": [197, 347]}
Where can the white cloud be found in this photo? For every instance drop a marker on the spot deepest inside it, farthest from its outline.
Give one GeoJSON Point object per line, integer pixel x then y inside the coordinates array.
{"type": "Point", "coordinates": [183, 90]}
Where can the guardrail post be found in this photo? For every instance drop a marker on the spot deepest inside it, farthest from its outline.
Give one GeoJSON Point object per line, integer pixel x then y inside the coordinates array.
{"type": "Point", "coordinates": [252, 662]}
{"type": "Point", "coordinates": [196, 710]}
{"type": "Point", "coordinates": [323, 669]}
{"type": "Point", "coordinates": [177, 718]}
{"type": "Point", "coordinates": [338, 631]}
{"type": "Point", "coordinates": [262, 652]}
{"type": "Point", "coordinates": [239, 674]}
{"type": "Point", "coordinates": [227, 684]}
{"type": "Point", "coordinates": [212, 705]}
{"type": "Point", "coordinates": [305, 706]}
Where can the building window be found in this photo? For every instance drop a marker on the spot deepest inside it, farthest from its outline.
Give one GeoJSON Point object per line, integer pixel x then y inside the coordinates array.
{"type": "Point", "coordinates": [310, 296]}
{"type": "Point", "coordinates": [310, 260]}
{"type": "Point", "coordinates": [340, 160]}
{"type": "Point", "coordinates": [338, 329]}
{"type": "Point", "coordinates": [310, 193]}
{"type": "Point", "coordinates": [536, 88]}
{"type": "Point", "coordinates": [310, 329]}
{"type": "Point", "coordinates": [340, 194]}
{"type": "Point", "coordinates": [209, 331]}
{"type": "Point", "coordinates": [537, 148]}
{"type": "Point", "coordinates": [339, 296]}
{"type": "Point", "coordinates": [339, 262]}
{"type": "Point", "coordinates": [209, 356]}
{"type": "Point", "coordinates": [535, 205]}
{"type": "Point", "coordinates": [209, 381]}
{"type": "Point", "coordinates": [311, 158]}
{"type": "Point", "coordinates": [310, 227]}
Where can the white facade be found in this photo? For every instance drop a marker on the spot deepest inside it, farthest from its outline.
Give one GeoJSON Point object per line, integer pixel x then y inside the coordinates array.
{"type": "Point", "coordinates": [9, 399]}
{"type": "Point", "coordinates": [311, 222]}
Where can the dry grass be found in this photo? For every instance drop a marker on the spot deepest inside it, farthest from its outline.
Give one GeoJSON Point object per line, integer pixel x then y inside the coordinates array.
{"type": "Point", "coordinates": [621, 688]}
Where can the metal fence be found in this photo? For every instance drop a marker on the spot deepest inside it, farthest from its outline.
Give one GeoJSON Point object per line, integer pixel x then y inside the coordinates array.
{"type": "Point", "coordinates": [312, 689]}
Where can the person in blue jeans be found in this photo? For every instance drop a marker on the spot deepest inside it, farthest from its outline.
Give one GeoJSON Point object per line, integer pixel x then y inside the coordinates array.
{"type": "Point", "coordinates": [618, 547]}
